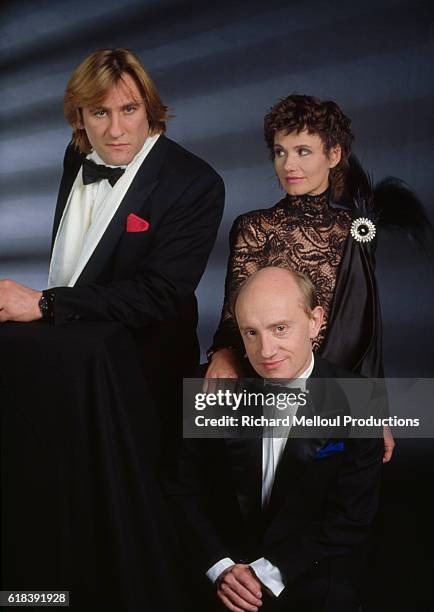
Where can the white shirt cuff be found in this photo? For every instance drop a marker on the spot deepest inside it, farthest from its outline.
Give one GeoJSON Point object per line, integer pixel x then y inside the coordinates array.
{"type": "Point", "coordinates": [269, 575]}
{"type": "Point", "coordinates": [214, 572]}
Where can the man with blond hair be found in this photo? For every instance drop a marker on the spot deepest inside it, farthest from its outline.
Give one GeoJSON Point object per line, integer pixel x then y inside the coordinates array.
{"type": "Point", "coordinates": [279, 523]}
{"type": "Point", "coordinates": [136, 218]}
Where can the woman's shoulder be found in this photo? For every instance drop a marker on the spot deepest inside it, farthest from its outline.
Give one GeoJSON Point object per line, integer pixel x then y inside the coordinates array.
{"type": "Point", "coordinates": [258, 216]}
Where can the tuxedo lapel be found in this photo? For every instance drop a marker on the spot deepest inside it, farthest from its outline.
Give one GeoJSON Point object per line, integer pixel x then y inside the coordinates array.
{"type": "Point", "coordinates": [73, 161]}
{"type": "Point", "coordinates": [134, 200]}
{"type": "Point", "coordinates": [245, 459]}
{"type": "Point", "coordinates": [299, 452]}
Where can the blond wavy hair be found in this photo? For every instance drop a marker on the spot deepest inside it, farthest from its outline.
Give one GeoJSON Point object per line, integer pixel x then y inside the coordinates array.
{"type": "Point", "coordinates": [95, 76]}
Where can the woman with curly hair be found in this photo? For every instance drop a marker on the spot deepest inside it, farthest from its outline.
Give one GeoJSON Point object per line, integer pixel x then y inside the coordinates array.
{"type": "Point", "coordinates": [322, 228]}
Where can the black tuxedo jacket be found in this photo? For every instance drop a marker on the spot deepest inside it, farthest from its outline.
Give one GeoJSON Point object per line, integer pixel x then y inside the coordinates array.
{"type": "Point", "coordinates": [320, 508]}
{"type": "Point", "coordinates": [147, 280]}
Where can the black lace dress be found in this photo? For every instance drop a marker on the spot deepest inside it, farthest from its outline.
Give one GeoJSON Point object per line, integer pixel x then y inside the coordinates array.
{"type": "Point", "coordinates": [311, 234]}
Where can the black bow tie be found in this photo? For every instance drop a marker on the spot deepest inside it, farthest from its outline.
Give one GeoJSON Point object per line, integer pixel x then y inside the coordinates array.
{"type": "Point", "coordinates": [93, 172]}
{"type": "Point", "coordinates": [276, 389]}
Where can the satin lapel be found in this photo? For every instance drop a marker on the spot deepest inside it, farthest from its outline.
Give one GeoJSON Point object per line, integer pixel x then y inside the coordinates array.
{"type": "Point", "coordinates": [73, 163]}
{"type": "Point", "coordinates": [134, 200]}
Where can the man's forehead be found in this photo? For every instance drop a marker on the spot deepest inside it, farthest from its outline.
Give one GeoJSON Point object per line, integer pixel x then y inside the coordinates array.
{"type": "Point", "coordinates": [269, 323]}
{"type": "Point", "coordinates": [251, 314]}
{"type": "Point", "coordinates": [121, 93]}
{"type": "Point", "coordinates": [269, 301]}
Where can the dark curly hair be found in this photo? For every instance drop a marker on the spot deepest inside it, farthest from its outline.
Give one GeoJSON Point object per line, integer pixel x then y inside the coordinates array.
{"type": "Point", "coordinates": [296, 113]}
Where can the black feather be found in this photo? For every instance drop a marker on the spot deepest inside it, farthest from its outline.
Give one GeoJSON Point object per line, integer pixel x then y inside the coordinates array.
{"type": "Point", "coordinates": [391, 204]}
{"type": "Point", "coordinates": [399, 207]}
{"type": "Point", "coordinates": [360, 187]}
{"type": "Point", "coordinates": [359, 192]}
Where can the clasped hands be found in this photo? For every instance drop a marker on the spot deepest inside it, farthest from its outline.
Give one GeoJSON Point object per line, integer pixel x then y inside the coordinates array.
{"type": "Point", "coordinates": [18, 302]}
{"type": "Point", "coordinates": [239, 589]}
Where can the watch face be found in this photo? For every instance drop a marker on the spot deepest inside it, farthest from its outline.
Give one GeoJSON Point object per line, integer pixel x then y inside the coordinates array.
{"type": "Point", "coordinates": [43, 306]}
{"type": "Point", "coordinates": [46, 304]}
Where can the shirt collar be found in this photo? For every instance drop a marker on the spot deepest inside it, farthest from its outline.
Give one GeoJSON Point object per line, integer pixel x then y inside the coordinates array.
{"type": "Point", "coordinates": [308, 370]}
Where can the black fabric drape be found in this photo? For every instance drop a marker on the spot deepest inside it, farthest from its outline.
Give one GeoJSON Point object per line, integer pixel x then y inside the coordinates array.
{"type": "Point", "coordinates": [354, 335]}
{"type": "Point", "coordinates": [81, 507]}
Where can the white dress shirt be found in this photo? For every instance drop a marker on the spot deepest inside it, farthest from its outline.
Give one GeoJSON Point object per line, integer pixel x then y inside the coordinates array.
{"type": "Point", "coordinates": [86, 216]}
{"type": "Point", "coordinates": [272, 450]}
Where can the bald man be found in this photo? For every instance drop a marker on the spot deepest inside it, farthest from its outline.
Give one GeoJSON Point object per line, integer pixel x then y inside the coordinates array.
{"type": "Point", "coordinates": [278, 317]}
{"type": "Point", "coordinates": [279, 524]}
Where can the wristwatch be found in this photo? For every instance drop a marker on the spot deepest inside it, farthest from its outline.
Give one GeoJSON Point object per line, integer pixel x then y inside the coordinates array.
{"type": "Point", "coordinates": [46, 305]}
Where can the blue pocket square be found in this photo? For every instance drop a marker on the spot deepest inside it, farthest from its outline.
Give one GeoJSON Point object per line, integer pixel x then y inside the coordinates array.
{"type": "Point", "coordinates": [330, 449]}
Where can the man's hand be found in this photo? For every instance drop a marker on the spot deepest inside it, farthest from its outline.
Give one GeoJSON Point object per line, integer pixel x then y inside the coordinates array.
{"type": "Point", "coordinates": [239, 589]}
{"type": "Point", "coordinates": [389, 444]}
{"type": "Point", "coordinates": [225, 363]}
{"type": "Point", "coordinates": [18, 303]}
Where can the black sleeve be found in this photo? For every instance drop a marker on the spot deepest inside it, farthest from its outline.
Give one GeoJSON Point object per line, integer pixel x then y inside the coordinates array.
{"type": "Point", "coordinates": [185, 484]}
{"type": "Point", "coordinates": [166, 276]}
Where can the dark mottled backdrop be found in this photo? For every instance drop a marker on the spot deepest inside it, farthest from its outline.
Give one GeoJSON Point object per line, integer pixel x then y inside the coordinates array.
{"type": "Point", "coordinates": [220, 66]}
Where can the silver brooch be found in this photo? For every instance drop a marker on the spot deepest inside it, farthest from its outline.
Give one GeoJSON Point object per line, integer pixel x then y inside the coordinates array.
{"type": "Point", "coordinates": [362, 230]}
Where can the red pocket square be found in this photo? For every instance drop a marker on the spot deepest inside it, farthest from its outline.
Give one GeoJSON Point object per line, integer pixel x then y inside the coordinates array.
{"type": "Point", "coordinates": [137, 224]}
